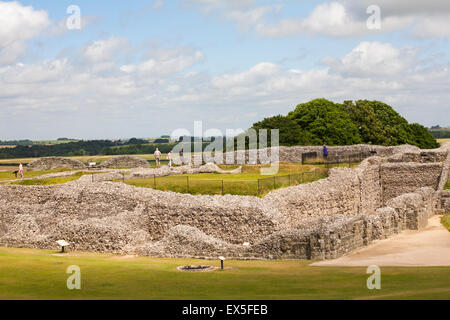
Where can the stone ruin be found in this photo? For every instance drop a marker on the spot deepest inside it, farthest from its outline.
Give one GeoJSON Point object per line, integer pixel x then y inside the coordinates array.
{"type": "Point", "coordinates": [125, 162]}
{"type": "Point", "coordinates": [321, 220]}
{"type": "Point", "coordinates": [55, 163]}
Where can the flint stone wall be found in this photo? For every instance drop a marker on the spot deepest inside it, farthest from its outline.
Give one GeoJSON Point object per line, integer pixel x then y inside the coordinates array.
{"type": "Point", "coordinates": [54, 163]}
{"type": "Point", "coordinates": [322, 220]}
{"type": "Point", "coordinates": [125, 162]}
{"type": "Point", "coordinates": [444, 198]}
{"type": "Point", "coordinates": [400, 178]}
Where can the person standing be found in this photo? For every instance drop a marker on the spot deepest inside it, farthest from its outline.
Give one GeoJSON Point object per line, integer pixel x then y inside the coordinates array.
{"type": "Point", "coordinates": [169, 157]}
{"type": "Point", "coordinates": [325, 153]}
{"type": "Point", "coordinates": [21, 170]}
{"type": "Point", "coordinates": [158, 157]}
{"type": "Point", "coordinates": [182, 157]}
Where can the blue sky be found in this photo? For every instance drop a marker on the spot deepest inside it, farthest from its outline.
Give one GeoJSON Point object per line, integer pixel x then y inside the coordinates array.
{"type": "Point", "coordinates": [145, 68]}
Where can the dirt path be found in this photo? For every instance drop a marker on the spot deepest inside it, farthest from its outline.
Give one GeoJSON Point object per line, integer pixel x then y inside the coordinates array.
{"type": "Point", "coordinates": [429, 247]}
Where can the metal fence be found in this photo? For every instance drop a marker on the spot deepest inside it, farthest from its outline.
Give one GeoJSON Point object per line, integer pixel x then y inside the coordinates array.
{"type": "Point", "coordinates": [185, 184]}
{"type": "Point", "coordinates": [349, 160]}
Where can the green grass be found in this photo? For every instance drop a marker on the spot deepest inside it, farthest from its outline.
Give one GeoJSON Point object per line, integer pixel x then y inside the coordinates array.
{"type": "Point", "coordinates": [245, 183]}
{"type": "Point", "coordinates": [447, 186]}
{"type": "Point", "coordinates": [9, 175]}
{"type": "Point", "coordinates": [49, 181]}
{"type": "Point", "coordinates": [446, 221]}
{"type": "Point", "coordinates": [38, 274]}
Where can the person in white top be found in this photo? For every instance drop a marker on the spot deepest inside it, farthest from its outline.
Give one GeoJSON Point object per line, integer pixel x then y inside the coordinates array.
{"type": "Point", "coordinates": [169, 157]}
{"type": "Point", "coordinates": [21, 170]}
{"type": "Point", "coordinates": [158, 157]}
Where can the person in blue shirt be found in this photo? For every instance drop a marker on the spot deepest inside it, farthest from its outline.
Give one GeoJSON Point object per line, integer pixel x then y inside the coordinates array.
{"type": "Point", "coordinates": [325, 153]}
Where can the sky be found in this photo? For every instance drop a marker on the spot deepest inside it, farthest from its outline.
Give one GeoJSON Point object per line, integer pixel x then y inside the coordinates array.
{"type": "Point", "coordinates": [147, 68]}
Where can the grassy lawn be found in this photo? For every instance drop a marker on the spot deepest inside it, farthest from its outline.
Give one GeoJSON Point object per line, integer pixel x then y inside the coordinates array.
{"type": "Point", "coordinates": [245, 183]}
{"type": "Point", "coordinates": [38, 274]}
{"type": "Point", "coordinates": [446, 221]}
{"type": "Point", "coordinates": [447, 186]}
{"type": "Point", "coordinates": [443, 140]}
{"type": "Point", "coordinates": [9, 175]}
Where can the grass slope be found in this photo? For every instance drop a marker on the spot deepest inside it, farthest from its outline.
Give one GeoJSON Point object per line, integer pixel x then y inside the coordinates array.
{"type": "Point", "coordinates": [38, 274]}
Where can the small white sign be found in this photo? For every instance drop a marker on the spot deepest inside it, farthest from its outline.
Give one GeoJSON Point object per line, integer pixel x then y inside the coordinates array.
{"type": "Point", "coordinates": [62, 243]}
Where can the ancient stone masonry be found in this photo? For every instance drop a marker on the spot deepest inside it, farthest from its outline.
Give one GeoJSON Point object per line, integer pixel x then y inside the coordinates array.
{"type": "Point", "coordinates": [54, 163]}
{"type": "Point", "coordinates": [322, 220]}
{"type": "Point", "coordinates": [125, 162]}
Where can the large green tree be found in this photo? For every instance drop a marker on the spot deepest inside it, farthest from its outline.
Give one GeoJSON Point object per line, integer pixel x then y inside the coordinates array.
{"type": "Point", "coordinates": [327, 123]}
{"type": "Point", "coordinates": [324, 122]}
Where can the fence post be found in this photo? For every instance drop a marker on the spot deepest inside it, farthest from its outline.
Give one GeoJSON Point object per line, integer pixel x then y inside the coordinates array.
{"type": "Point", "coordinates": [223, 192]}
{"type": "Point", "coordinates": [274, 183]}
{"type": "Point", "coordinates": [187, 180]}
{"type": "Point", "coordinates": [258, 188]}
{"type": "Point", "coordinates": [154, 181]}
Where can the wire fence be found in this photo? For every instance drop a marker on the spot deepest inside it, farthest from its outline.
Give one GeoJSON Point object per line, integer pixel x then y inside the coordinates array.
{"type": "Point", "coordinates": [332, 161]}
{"type": "Point", "coordinates": [259, 187]}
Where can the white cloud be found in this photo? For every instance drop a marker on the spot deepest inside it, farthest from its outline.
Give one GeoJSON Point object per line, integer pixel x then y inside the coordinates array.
{"type": "Point", "coordinates": [158, 4]}
{"type": "Point", "coordinates": [374, 59]}
{"type": "Point", "coordinates": [18, 24]}
{"type": "Point", "coordinates": [345, 18]}
{"type": "Point", "coordinates": [103, 50]}
{"type": "Point", "coordinates": [165, 62]}
{"type": "Point", "coordinates": [96, 104]}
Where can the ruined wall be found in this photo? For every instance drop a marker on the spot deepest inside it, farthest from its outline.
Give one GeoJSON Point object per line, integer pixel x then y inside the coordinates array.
{"type": "Point", "coordinates": [54, 163]}
{"type": "Point", "coordinates": [400, 178]}
{"type": "Point", "coordinates": [334, 236]}
{"type": "Point", "coordinates": [321, 220]}
{"type": "Point", "coordinates": [339, 194]}
{"type": "Point", "coordinates": [444, 199]}
{"type": "Point", "coordinates": [86, 213]}
{"type": "Point", "coordinates": [125, 162]}
{"type": "Point", "coordinates": [340, 153]}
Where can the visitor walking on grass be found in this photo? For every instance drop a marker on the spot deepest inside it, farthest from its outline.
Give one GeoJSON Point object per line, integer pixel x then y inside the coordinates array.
{"type": "Point", "coordinates": [158, 157]}
{"type": "Point", "coordinates": [21, 170]}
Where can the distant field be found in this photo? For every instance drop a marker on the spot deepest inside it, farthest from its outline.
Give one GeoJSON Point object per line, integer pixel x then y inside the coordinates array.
{"type": "Point", "coordinates": [443, 140]}
{"type": "Point", "coordinates": [41, 274]}
{"type": "Point", "coordinates": [84, 159]}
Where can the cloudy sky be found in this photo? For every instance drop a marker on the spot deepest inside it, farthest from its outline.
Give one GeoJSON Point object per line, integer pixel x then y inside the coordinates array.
{"type": "Point", "coordinates": [145, 68]}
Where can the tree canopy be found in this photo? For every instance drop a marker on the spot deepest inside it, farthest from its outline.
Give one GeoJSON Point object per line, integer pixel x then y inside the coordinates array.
{"type": "Point", "coordinates": [324, 122]}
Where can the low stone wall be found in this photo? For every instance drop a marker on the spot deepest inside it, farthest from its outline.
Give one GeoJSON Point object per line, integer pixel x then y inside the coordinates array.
{"type": "Point", "coordinates": [444, 198]}
{"type": "Point", "coordinates": [400, 178]}
{"type": "Point", "coordinates": [125, 162]}
{"type": "Point", "coordinates": [337, 235]}
{"type": "Point", "coordinates": [339, 194]}
{"type": "Point", "coordinates": [54, 163]}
